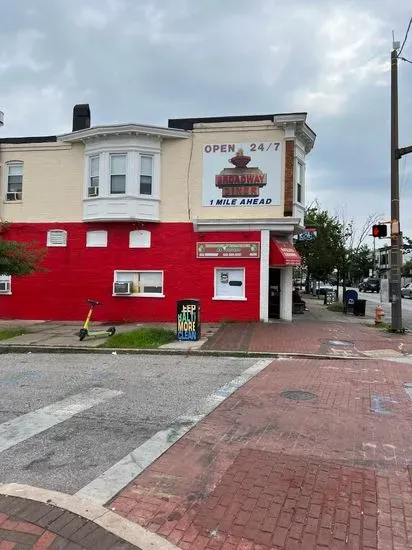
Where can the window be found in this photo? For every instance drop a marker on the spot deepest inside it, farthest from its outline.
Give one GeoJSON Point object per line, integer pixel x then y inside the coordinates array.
{"type": "Point", "coordinates": [14, 181]}
{"type": "Point", "coordinates": [142, 283]}
{"type": "Point", "coordinates": [96, 239]}
{"type": "Point", "coordinates": [139, 239]}
{"type": "Point", "coordinates": [300, 180]}
{"type": "Point", "coordinates": [93, 187]}
{"type": "Point", "coordinates": [117, 174]}
{"type": "Point", "coordinates": [229, 284]}
{"type": "Point", "coordinates": [5, 284]}
{"type": "Point", "coordinates": [57, 237]}
{"type": "Point", "coordinates": [146, 175]}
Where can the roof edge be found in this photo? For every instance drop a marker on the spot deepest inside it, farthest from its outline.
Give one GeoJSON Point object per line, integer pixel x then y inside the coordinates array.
{"type": "Point", "coordinates": [126, 128]}
{"type": "Point", "coordinates": [29, 139]}
{"type": "Point", "coordinates": [188, 123]}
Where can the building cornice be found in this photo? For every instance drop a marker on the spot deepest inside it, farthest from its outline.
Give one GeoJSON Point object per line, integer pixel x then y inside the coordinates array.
{"type": "Point", "coordinates": [123, 130]}
{"type": "Point", "coordinates": [295, 127]}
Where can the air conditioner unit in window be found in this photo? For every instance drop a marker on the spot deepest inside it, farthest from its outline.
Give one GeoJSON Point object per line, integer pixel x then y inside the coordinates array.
{"type": "Point", "coordinates": [14, 196]}
{"type": "Point", "coordinates": [122, 287]}
{"type": "Point", "coordinates": [4, 286]}
{"type": "Point", "coordinates": [93, 192]}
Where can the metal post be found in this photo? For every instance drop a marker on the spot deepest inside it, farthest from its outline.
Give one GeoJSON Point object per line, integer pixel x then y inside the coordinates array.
{"type": "Point", "coordinates": [396, 258]}
{"type": "Point", "coordinates": [374, 270]}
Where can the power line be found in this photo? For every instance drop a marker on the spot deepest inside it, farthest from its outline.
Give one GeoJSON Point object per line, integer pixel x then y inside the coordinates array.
{"type": "Point", "coordinates": [407, 60]}
{"type": "Point", "coordinates": [406, 37]}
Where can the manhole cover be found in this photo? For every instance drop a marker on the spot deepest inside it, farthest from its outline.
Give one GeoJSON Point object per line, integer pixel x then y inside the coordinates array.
{"type": "Point", "coordinates": [339, 343]}
{"type": "Point", "coordinates": [299, 395]}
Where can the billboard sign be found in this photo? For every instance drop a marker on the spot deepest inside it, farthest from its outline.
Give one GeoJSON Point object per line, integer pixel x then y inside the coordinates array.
{"type": "Point", "coordinates": [242, 174]}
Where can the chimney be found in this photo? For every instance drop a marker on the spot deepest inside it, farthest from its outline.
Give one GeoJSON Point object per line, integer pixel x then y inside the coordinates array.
{"type": "Point", "coordinates": [81, 117]}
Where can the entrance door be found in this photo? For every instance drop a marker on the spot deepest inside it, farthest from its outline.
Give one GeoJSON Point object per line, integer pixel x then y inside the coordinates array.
{"type": "Point", "coordinates": [274, 293]}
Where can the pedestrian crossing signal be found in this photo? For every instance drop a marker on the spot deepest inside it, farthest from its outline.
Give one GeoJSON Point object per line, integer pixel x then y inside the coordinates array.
{"type": "Point", "coordinates": [380, 230]}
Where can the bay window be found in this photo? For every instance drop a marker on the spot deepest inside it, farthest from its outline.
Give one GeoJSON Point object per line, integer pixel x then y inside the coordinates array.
{"type": "Point", "coordinates": [146, 175]}
{"type": "Point", "coordinates": [117, 174]}
{"type": "Point", "coordinates": [94, 167]}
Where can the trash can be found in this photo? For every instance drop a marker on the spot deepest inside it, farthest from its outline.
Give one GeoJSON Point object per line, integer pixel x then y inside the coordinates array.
{"type": "Point", "coordinates": [359, 308]}
{"type": "Point", "coordinates": [188, 320]}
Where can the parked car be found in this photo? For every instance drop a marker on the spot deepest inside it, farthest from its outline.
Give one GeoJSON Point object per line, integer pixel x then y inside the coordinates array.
{"type": "Point", "coordinates": [370, 285]}
{"type": "Point", "coordinates": [406, 291]}
{"type": "Point", "coordinates": [322, 290]}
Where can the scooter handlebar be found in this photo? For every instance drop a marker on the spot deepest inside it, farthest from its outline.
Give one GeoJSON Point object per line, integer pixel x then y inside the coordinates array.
{"type": "Point", "coordinates": [94, 302]}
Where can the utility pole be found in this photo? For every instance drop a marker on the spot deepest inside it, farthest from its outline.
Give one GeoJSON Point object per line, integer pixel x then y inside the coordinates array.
{"type": "Point", "coordinates": [396, 236]}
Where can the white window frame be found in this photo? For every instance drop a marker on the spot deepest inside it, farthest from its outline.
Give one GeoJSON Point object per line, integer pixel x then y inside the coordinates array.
{"type": "Point", "coordinates": [140, 294]}
{"type": "Point", "coordinates": [106, 148]}
{"type": "Point", "coordinates": [5, 279]}
{"type": "Point", "coordinates": [230, 298]}
{"type": "Point", "coordinates": [152, 175]}
{"type": "Point", "coordinates": [145, 242]}
{"type": "Point", "coordinates": [118, 154]}
{"type": "Point", "coordinates": [9, 164]}
{"type": "Point", "coordinates": [90, 178]}
{"type": "Point", "coordinates": [102, 243]}
{"type": "Point", "coordinates": [300, 182]}
{"type": "Point", "coordinates": [49, 238]}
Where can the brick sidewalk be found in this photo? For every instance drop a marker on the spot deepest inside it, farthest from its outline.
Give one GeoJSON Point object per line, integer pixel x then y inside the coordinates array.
{"type": "Point", "coordinates": [330, 338]}
{"type": "Point", "coordinates": [26, 524]}
{"type": "Point", "coordinates": [266, 471]}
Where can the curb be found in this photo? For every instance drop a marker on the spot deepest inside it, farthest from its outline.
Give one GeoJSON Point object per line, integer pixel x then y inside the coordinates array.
{"type": "Point", "coordinates": [14, 348]}
{"type": "Point", "coordinates": [113, 523]}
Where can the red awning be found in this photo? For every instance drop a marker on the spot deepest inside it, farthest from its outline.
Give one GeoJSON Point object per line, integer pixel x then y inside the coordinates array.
{"type": "Point", "coordinates": [282, 253]}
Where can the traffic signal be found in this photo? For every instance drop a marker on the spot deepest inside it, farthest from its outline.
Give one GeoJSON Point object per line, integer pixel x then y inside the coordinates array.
{"type": "Point", "coordinates": [380, 230]}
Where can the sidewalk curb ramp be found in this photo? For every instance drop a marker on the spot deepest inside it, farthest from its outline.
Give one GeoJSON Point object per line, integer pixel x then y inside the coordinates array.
{"type": "Point", "coordinates": [103, 517]}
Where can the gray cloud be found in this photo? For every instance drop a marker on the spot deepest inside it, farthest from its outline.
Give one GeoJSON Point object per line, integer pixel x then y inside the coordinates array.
{"type": "Point", "coordinates": [150, 60]}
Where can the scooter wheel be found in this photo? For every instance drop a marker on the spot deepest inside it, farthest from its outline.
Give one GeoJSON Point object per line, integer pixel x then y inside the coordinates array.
{"type": "Point", "coordinates": [111, 330]}
{"type": "Point", "coordinates": [82, 334]}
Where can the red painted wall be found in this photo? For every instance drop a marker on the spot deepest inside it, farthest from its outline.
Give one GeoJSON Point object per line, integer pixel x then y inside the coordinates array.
{"type": "Point", "coordinates": [75, 273]}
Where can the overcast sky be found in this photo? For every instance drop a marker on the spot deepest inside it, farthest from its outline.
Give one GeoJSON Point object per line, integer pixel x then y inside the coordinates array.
{"type": "Point", "coordinates": [149, 60]}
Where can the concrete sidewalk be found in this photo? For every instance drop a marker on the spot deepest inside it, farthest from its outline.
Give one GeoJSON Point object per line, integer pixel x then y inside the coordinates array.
{"type": "Point", "coordinates": [317, 332]}
{"type": "Point", "coordinates": [55, 334]}
{"type": "Point", "coordinates": [309, 455]}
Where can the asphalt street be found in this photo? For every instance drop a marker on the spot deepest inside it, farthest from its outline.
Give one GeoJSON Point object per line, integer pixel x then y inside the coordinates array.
{"type": "Point", "coordinates": [67, 419]}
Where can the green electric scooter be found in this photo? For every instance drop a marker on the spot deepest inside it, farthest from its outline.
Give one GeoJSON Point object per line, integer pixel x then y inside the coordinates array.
{"type": "Point", "coordinates": [83, 332]}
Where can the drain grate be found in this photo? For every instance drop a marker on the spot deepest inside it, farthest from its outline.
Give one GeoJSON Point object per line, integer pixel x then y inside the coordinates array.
{"type": "Point", "coordinates": [299, 395]}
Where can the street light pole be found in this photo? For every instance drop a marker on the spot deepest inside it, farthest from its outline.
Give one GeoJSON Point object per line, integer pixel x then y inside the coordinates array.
{"type": "Point", "coordinates": [396, 236]}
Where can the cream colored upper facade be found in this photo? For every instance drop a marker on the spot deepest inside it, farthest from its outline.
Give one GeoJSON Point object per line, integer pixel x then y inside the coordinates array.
{"type": "Point", "coordinates": [58, 177]}
{"type": "Point", "coordinates": [52, 176]}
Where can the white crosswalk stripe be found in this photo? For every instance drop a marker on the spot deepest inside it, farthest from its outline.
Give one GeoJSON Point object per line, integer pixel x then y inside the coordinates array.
{"type": "Point", "coordinates": [23, 427]}
{"type": "Point", "coordinates": [84, 439]}
{"type": "Point", "coordinates": [103, 488]}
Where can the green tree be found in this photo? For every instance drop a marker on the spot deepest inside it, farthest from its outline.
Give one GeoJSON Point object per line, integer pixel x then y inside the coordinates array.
{"type": "Point", "coordinates": [360, 263]}
{"type": "Point", "coordinates": [321, 255]}
{"type": "Point", "coordinates": [18, 258]}
{"type": "Point", "coordinates": [407, 269]}
{"type": "Point", "coordinates": [407, 245]}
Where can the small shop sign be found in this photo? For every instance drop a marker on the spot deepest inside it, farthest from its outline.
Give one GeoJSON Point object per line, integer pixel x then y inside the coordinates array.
{"type": "Point", "coordinates": [228, 250]}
